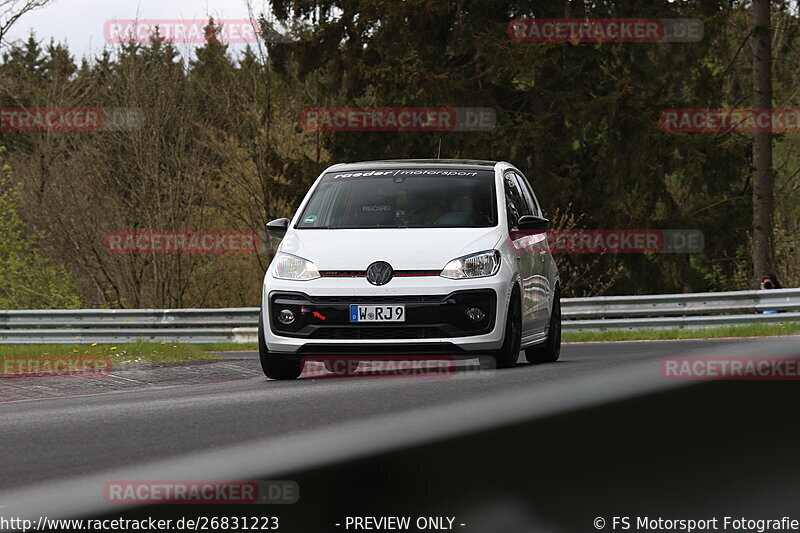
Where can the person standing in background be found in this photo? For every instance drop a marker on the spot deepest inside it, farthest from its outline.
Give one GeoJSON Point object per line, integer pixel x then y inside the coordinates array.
{"type": "Point", "coordinates": [768, 282]}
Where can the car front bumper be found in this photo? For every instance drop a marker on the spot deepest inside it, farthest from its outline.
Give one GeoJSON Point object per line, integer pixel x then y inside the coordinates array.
{"type": "Point", "coordinates": [435, 322]}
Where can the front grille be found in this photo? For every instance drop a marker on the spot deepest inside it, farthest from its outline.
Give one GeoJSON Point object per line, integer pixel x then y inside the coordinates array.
{"type": "Point", "coordinates": [374, 299]}
{"type": "Point", "coordinates": [427, 316]}
{"type": "Point", "coordinates": [361, 332]}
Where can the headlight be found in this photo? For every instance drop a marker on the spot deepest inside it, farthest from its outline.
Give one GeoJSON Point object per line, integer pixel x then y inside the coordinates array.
{"type": "Point", "coordinates": [288, 266]}
{"type": "Point", "coordinates": [477, 265]}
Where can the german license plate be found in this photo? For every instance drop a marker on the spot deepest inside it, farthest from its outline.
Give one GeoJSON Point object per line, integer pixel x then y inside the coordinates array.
{"type": "Point", "coordinates": [377, 313]}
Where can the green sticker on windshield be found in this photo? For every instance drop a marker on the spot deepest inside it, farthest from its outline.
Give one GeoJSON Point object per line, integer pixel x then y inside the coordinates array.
{"type": "Point", "coordinates": [310, 219]}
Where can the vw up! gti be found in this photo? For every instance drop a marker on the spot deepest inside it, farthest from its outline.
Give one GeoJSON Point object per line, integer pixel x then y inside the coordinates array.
{"type": "Point", "coordinates": [411, 257]}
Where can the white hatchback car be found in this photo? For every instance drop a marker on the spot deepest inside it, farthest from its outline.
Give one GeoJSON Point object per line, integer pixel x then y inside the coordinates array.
{"type": "Point", "coordinates": [411, 257]}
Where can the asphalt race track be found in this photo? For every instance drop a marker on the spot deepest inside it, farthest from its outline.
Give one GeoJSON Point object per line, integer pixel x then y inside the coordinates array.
{"type": "Point", "coordinates": [62, 439]}
{"type": "Point", "coordinates": [137, 422]}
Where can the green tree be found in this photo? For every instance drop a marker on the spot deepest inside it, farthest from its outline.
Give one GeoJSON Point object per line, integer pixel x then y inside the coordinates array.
{"type": "Point", "coordinates": [580, 119]}
{"type": "Point", "coordinates": [27, 280]}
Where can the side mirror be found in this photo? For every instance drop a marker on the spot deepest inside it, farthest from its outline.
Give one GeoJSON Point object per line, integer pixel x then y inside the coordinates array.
{"type": "Point", "coordinates": [278, 227]}
{"type": "Point", "coordinates": [534, 223]}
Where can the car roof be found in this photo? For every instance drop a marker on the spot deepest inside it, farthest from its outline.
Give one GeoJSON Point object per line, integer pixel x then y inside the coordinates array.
{"type": "Point", "coordinates": [415, 163]}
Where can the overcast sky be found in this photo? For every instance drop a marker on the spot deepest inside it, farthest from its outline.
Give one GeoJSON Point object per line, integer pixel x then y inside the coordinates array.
{"type": "Point", "coordinates": [80, 22]}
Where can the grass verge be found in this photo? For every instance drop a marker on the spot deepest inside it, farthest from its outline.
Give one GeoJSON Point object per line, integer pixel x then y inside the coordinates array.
{"type": "Point", "coordinates": [119, 354]}
{"type": "Point", "coordinates": [228, 347]}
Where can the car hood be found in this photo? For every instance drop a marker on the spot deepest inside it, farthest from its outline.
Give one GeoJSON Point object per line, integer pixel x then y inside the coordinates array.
{"type": "Point", "coordinates": [404, 248]}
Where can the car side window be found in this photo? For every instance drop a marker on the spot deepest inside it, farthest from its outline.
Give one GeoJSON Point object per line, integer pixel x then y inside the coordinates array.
{"type": "Point", "coordinates": [529, 196]}
{"type": "Point", "coordinates": [516, 205]}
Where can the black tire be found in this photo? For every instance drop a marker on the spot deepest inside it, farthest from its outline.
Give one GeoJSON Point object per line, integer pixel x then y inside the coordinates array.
{"type": "Point", "coordinates": [512, 339]}
{"type": "Point", "coordinates": [341, 367]}
{"type": "Point", "coordinates": [276, 366]}
{"type": "Point", "coordinates": [550, 349]}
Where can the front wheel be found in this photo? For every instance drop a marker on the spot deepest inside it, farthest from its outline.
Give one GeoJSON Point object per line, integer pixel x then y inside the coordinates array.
{"type": "Point", "coordinates": [550, 350]}
{"type": "Point", "coordinates": [276, 366]}
{"type": "Point", "coordinates": [512, 340]}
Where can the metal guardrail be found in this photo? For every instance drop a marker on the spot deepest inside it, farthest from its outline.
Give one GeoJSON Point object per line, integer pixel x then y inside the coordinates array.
{"type": "Point", "coordinates": [681, 311]}
{"type": "Point", "coordinates": [699, 303]}
{"type": "Point", "coordinates": [130, 318]}
{"type": "Point", "coordinates": [662, 311]}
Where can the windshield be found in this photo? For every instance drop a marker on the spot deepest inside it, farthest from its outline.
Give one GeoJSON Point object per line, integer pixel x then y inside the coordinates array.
{"type": "Point", "coordinates": [450, 198]}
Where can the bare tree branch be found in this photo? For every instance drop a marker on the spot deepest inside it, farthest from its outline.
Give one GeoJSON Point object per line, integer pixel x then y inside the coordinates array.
{"type": "Point", "coordinates": [12, 10]}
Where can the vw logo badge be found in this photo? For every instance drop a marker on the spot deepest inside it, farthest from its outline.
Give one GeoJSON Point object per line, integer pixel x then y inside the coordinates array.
{"type": "Point", "coordinates": [379, 273]}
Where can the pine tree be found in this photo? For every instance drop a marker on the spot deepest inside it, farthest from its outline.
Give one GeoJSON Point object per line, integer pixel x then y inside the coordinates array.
{"type": "Point", "coordinates": [58, 63]}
